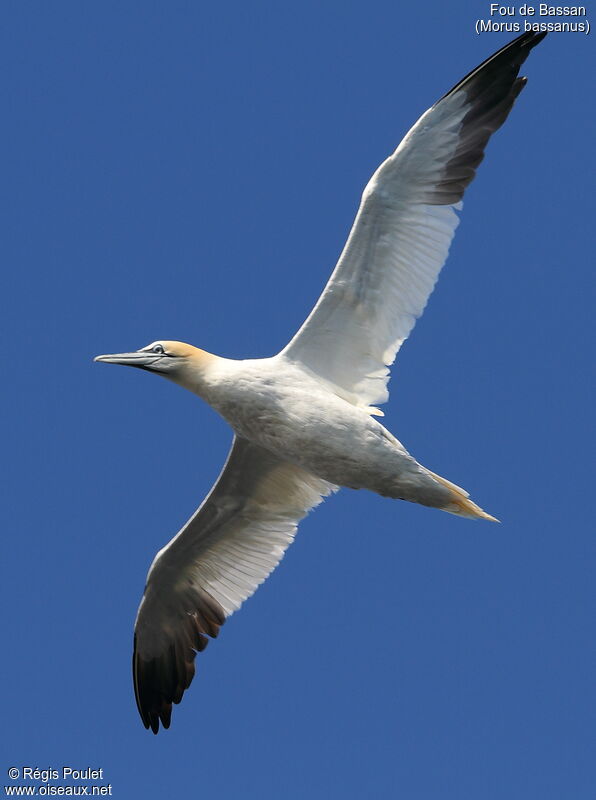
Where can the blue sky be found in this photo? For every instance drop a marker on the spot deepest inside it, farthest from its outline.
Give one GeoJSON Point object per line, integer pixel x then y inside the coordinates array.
{"type": "Point", "coordinates": [189, 171]}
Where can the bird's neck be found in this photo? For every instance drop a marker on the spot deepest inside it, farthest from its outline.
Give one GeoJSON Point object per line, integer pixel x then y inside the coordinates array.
{"type": "Point", "coordinates": [200, 372]}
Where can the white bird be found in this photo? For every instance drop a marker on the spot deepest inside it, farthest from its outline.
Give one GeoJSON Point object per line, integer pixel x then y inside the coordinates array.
{"type": "Point", "coordinates": [303, 420]}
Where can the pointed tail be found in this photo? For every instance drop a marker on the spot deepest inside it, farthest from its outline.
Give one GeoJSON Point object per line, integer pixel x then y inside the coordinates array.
{"type": "Point", "coordinates": [460, 502]}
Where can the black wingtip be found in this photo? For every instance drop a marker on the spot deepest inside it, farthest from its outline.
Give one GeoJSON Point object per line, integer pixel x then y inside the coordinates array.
{"type": "Point", "coordinates": [486, 95]}
{"type": "Point", "coordinates": [514, 53]}
{"type": "Point", "coordinates": [161, 680]}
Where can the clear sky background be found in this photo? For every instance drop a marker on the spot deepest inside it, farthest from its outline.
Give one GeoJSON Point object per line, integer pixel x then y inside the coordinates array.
{"type": "Point", "coordinates": [191, 170]}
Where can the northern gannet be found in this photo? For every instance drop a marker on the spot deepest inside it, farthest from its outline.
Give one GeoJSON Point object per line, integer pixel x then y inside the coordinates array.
{"type": "Point", "coordinates": [303, 420]}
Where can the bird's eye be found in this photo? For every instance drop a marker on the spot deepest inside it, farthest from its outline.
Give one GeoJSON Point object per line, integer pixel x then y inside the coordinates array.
{"type": "Point", "coordinates": [157, 348]}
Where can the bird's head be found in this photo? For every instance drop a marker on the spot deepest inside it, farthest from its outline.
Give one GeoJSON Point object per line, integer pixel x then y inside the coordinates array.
{"type": "Point", "coordinates": [178, 361]}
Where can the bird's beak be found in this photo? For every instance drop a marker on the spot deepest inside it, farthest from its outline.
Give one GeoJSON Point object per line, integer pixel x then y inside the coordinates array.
{"type": "Point", "coordinates": [142, 360]}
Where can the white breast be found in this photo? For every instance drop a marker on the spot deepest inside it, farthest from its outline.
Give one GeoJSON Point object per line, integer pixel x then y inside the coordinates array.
{"type": "Point", "coordinates": [283, 407]}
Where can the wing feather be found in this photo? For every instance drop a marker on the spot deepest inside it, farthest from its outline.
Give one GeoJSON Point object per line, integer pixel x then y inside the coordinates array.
{"type": "Point", "coordinates": [402, 232]}
{"type": "Point", "coordinates": [219, 558]}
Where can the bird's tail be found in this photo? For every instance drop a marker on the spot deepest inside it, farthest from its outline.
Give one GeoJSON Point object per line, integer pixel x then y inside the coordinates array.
{"type": "Point", "coordinates": [460, 502]}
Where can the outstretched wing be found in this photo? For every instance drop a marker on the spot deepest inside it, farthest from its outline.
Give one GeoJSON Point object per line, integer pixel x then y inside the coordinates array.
{"type": "Point", "coordinates": [230, 545]}
{"type": "Point", "coordinates": [402, 232]}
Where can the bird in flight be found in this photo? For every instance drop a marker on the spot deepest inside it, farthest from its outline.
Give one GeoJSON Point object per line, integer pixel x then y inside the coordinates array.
{"type": "Point", "coordinates": [304, 420]}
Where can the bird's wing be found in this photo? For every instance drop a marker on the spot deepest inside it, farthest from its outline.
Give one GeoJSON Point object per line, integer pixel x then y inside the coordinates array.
{"type": "Point", "coordinates": [403, 230]}
{"type": "Point", "coordinates": [231, 544]}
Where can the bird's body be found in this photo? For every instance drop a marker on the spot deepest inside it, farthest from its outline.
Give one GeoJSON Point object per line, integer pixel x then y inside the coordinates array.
{"type": "Point", "coordinates": [286, 409]}
{"type": "Point", "coordinates": [304, 420]}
